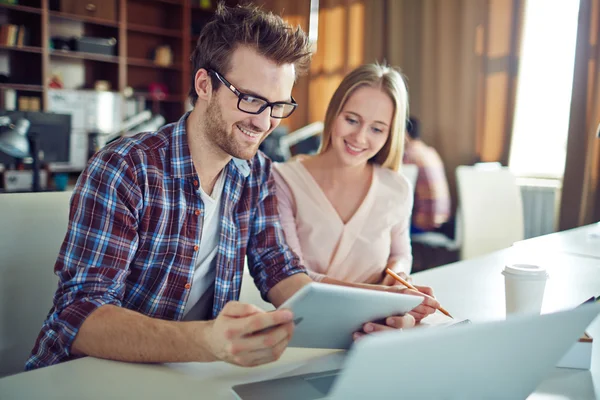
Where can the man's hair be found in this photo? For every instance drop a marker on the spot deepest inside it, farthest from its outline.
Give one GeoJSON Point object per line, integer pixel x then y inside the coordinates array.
{"type": "Point", "coordinates": [247, 25]}
{"type": "Point", "coordinates": [391, 82]}
{"type": "Point", "coordinates": [413, 128]}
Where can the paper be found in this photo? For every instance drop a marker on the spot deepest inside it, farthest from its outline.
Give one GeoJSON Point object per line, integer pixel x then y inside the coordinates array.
{"type": "Point", "coordinates": [439, 319]}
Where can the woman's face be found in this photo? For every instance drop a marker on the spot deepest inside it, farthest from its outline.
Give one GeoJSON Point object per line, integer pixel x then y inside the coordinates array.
{"type": "Point", "coordinates": [363, 126]}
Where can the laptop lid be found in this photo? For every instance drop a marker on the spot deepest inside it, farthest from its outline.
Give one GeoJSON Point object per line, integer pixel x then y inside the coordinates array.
{"type": "Point", "coordinates": [501, 359]}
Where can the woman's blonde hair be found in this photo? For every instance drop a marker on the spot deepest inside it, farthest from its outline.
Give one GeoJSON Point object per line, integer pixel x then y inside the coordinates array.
{"type": "Point", "coordinates": [391, 82]}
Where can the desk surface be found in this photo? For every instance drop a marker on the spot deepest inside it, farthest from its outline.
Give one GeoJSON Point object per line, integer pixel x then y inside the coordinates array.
{"type": "Point", "coordinates": [469, 289]}
{"type": "Point", "coordinates": [583, 241]}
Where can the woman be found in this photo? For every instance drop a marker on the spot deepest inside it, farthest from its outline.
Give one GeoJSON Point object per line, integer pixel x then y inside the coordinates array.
{"type": "Point", "coordinates": [346, 211]}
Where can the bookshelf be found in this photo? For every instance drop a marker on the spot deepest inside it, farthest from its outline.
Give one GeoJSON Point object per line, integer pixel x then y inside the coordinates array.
{"type": "Point", "coordinates": [143, 29]}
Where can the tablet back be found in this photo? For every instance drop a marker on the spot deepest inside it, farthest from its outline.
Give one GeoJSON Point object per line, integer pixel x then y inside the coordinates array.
{"type": "Point", "coordinates": [327, 315]}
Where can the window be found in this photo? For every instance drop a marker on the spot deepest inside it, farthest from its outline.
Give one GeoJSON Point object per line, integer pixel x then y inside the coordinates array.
{"type": "Point", "coordinates": [541, 121]}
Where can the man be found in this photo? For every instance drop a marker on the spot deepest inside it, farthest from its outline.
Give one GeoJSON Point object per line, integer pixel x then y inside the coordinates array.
{"type": "Point", "coordinates": [431, 206]}
{"type": "Point", "coordinates": [151, 266]}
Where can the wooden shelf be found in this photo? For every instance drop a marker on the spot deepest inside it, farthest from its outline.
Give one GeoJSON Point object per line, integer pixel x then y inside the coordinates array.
{"type": "Point", "coordinates": [174, 2]}
{"type": "Point", "coordinates": [140, 62]}
{"type": "Point", "coordinates": [140, 27]}
{"type": "Point", "coordinates": [25, 9]}
{"type": "Point", "coordinates": [84, 18]}
{"type": "Point", "coordinates": [171, 98]}
{"type": "Point", "coordinates": [154, 30]}
{"type": "Point", "coordinates": [19, 86]}
{"type": "Point", "coordinates": [25, 49]}
{"type": "Point", "coordinates": [84, 56]}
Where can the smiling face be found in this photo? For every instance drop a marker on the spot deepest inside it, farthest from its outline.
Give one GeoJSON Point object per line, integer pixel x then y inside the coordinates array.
{"type": "Point", "coordinates": [235, 132]}
{"type": "Point", "coordinates": [363, 126]}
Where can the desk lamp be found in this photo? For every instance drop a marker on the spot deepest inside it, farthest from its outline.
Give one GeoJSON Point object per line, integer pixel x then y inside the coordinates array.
{"type": "Point", "coordinates": [18, 143]}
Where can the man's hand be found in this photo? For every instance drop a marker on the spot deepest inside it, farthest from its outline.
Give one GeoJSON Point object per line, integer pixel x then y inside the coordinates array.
{"type": "Point", "coordinates": [245, 335]}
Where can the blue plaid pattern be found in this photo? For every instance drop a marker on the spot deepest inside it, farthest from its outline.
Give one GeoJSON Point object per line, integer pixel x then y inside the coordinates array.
{"type": "Point", "coordinates": [134, 228]}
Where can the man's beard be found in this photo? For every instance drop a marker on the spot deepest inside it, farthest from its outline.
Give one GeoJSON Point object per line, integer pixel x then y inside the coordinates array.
{"type": "Point", "coordinates": [216, 130]}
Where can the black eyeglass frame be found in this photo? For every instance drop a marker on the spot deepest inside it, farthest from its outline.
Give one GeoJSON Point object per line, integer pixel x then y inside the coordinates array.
{"type": "Point", "coordinates": [241, 95]}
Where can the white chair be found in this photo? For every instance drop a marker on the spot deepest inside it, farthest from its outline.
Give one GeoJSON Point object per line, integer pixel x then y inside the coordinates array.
{"type": "Point", "coordinates": [411, 172]}
{"type": "Point", "coordinates": [491, 207]}
{"type": "Point", "coordinates": [33, 228]}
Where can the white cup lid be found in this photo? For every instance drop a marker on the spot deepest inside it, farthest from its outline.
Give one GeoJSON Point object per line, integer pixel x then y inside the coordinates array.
{"type": "Point", "coordinates": [525, 270]}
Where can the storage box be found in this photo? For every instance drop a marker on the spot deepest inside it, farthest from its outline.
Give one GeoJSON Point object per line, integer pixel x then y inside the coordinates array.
{"type": "Point", "coordinates": [579, 355]}
{"type": "Point", "coordinates": [105, 46]}
{"type": "Point", "coordinates": [15, 181]}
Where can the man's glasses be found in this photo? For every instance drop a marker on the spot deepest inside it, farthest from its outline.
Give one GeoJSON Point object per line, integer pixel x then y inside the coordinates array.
{"type": "Point", "coordinates": [253, 104]}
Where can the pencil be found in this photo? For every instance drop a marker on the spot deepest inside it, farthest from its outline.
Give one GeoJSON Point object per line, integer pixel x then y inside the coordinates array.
{"type": "Point", "coordinates": [408, 285]}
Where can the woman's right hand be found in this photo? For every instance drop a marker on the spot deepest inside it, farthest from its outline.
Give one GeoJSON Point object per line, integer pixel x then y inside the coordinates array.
{"type": "Point", "coordinates": [427, 307]}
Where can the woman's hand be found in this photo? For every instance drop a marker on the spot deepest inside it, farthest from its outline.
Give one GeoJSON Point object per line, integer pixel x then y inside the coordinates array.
{"type": "Point", "coordinates": [427, 307]}
{"type": "Point", "coordinates": [424, 309]}
{"type": "Point", "coordinates": [394, 322]}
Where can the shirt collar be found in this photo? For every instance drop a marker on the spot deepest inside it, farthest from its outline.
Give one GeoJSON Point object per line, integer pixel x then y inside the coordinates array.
{"type": "Point", "coordinates": [181, 159]}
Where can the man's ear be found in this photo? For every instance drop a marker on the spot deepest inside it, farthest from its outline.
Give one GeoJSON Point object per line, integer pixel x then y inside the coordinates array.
{"type": "Point", "coordinates": [203, 84]}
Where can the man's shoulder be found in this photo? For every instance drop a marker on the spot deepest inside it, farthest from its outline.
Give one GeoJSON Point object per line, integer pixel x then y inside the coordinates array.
{"type": "Point", "coordinates": [143, 141]}
{"type": "Point", "coordinates": [141, 147]}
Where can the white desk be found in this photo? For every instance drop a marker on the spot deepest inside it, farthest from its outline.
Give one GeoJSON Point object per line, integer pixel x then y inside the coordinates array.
{"type": "Point", "coordinates": [471, 289]}
{"type": "Point", "coordinates": [583, 241]}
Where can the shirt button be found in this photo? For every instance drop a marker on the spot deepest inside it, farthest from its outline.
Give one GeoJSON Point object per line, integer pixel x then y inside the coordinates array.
{"type": "Point", "coordinates": [195, 183]}
{"type": "Point", "coordinates": [187, 286]}
{"type": "Point", "coordinates": [196, 248]}
{"type": "Point", "coordinates": [197, 212]}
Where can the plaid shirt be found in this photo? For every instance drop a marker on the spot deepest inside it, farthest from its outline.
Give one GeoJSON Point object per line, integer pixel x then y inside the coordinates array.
{"type": "Point", "coordinates": [432, 197]}
{"type": "Point", "coordinates": [134, 230]}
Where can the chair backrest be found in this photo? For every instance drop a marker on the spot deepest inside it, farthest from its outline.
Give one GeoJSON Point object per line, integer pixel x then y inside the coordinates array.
{"type": "Point", "coordinates": [249, 293]}
{"type": "Point", "coordinates": [34, 226]}
{"type": "Point", "coordinates": [294, 138]}
{"type": "Point", "coordinates": [411, 172]}
{"type": "Point", "coordinates": [491, 209]}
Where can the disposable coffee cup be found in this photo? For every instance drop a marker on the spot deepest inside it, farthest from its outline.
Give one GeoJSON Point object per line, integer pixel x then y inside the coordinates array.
{"type": "Point", "coordinates": [524, 286]}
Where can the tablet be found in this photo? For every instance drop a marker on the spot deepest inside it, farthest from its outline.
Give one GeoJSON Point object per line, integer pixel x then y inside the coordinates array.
{"type": "Point", "coordinates": [327, 315]}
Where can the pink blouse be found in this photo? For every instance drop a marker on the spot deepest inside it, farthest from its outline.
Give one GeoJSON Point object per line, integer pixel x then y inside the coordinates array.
{"type": "Point", "coordinates": [359, 250]}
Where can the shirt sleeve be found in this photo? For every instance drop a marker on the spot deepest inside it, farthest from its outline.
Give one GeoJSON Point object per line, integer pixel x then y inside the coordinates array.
{"type": "Point", "coordinates": [94, 258]}
{"type": "Point", "coordinates": [432, 204]}
{"type": "Point", "coordinates": [287, 214]}
{"type": "Point", "coordinates": [286, 206]}
{"type": "Point", "coordinates": [270, 256]}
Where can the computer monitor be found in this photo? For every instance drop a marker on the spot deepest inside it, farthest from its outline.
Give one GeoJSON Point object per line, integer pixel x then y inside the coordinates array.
{"type": "Point", "coordinates": [53, 132]}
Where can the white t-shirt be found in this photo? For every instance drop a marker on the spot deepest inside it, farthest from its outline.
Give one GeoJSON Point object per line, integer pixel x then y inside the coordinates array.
{"type": "Point", "coordinates": [199, 302]}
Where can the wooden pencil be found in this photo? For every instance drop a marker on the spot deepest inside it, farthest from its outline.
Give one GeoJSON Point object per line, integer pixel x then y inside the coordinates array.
{"type": "Point", "coordinates": [410, 286]}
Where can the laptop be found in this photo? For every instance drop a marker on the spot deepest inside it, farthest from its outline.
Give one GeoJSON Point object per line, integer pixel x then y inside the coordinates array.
{"type": "Point", "coordinates": [500, 359]}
